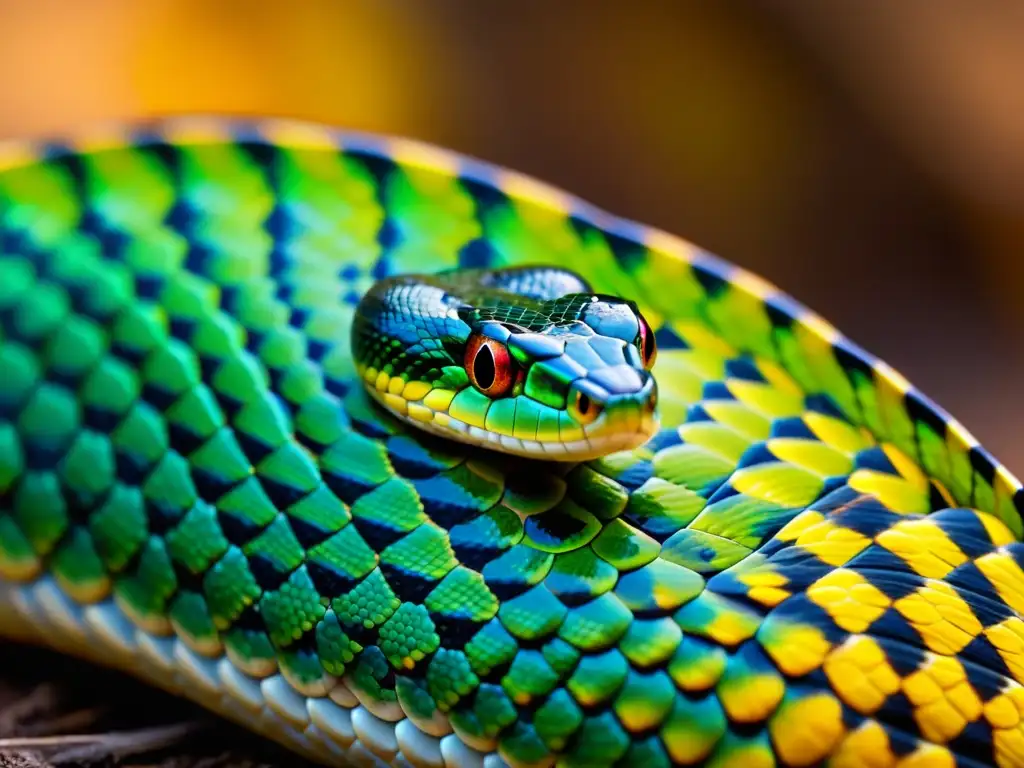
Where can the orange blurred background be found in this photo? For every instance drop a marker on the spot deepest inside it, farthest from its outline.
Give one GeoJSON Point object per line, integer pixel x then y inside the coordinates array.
{"type": "Point", "coordinates": [866, 157]}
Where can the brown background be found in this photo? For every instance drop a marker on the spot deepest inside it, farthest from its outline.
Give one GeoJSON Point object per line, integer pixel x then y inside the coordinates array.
{"type": "Point", "coordinates": [867, 157]}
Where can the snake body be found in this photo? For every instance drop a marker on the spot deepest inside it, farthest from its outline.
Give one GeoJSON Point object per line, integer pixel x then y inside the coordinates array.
{"type": "Point", "coordinates": [224, 468]}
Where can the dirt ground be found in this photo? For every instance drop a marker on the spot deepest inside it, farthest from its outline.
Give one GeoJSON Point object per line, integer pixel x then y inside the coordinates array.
{"type": "Point", "coordinates": [56, 711]}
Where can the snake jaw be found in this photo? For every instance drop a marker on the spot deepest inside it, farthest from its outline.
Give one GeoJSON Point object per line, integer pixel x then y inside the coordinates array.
{"type": "Point", "coordinates": [626, 419]}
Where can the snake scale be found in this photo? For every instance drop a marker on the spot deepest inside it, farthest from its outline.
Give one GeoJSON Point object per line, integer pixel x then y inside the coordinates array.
{"type": "Point", "coordinates": [794, 559]}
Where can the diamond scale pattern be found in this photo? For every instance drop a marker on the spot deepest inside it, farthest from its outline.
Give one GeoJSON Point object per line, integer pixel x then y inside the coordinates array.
{"type": "Point", "coordinates": [899, 633]}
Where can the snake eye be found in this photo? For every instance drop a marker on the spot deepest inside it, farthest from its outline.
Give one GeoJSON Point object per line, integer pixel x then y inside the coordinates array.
{"type": "Point", "coordinates": [489, 366]}
{"type": "Point", "coordinates": [646, 343]}
{"type": "Point", "coordinates": [583, 408]}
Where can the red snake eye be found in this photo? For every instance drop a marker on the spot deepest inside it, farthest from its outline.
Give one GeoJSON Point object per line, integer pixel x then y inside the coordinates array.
{"type": "Point", "coordinates": [647, 344]}
{"type": "Point", "coordinates": [489, 366]}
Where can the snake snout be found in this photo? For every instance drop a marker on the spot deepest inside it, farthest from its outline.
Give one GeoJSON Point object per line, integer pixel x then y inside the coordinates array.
{"type": "Point", "coordinates": [621, 405]}
{"type": "Point", "coordinates": [641, 406]}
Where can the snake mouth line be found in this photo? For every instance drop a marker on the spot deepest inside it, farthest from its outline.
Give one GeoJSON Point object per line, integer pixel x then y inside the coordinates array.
{"type": "Point", "coordinates": [589, 447]}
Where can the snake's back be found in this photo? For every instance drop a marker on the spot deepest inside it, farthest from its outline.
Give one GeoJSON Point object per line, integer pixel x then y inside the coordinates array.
{"type": "Point", "coordinates": [808, 564]}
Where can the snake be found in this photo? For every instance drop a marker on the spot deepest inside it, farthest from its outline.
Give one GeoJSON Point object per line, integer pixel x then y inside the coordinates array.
{"type": "Point", "coordinates": [396, 457]}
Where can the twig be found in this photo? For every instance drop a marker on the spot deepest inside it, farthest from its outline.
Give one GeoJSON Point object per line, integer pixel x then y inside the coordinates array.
{"type": "Point", "coordinates": [40, 699]}
{"type": "Point", "coordinates": [71, 721]}
{"type": "Point", "coordinates": [85, 748]}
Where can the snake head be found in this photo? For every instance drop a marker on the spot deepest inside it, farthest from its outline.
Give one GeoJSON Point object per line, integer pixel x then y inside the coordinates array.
{"type": "Point", "coordinates": [577, 388]}
{"type": "Point", "coordinates": [566, 378]}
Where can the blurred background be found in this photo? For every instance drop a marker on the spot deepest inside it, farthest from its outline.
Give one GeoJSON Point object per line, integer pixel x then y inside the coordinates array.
{"type": "Point", "coordinates": [866, 157]}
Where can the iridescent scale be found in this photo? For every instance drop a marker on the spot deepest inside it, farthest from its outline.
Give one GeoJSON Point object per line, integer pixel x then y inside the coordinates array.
{"type": "Point", "coordinates": [809, 564]}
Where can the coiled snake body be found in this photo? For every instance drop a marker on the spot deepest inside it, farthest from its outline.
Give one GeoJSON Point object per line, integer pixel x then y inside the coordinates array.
{"type": "Point", "coordinates": [351, 440]}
